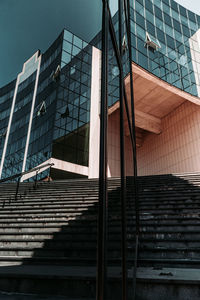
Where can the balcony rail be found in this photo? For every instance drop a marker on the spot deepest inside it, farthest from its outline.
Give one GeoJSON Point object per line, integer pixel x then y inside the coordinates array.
{"type": "Point", "coordinates": [19, 176]}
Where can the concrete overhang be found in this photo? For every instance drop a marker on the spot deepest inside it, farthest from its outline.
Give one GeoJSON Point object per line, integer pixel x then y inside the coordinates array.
{"type": "Point", "coordinates": [154, 99]}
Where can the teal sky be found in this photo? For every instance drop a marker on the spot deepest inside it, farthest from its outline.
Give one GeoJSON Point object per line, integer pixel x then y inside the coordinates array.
{"type": "Point", "coordinates": [29, 25]}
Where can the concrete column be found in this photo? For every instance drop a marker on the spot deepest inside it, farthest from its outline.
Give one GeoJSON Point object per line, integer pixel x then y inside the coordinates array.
{"type": "Point", "coordinates": [94, 114]}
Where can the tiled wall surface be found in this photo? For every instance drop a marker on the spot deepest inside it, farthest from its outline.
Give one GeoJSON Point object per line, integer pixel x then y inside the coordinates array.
{"type": "Point", "coordinates": [113, 145]}
{"type": "Point", "coordinates": [114, 148]}
{"type": "Point", "coordinates": [177, 148]}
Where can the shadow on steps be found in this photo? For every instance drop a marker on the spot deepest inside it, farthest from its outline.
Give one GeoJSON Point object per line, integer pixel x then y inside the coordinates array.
{"type": "Point", "coordinates": [59, 232]}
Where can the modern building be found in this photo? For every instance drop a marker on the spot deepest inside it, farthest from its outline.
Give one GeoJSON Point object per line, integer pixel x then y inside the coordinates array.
{"type": "Point", "coordinates": [50, 113]}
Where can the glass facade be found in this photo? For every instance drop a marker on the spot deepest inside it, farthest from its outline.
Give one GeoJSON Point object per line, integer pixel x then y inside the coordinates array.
{"type": "Point", "coordinates": [71, 128]}
{"type": "Point", "coordinates": [6, 96]}
{"type": "Point", "coordinates": [40, 145]}
{"type": "Point", "coordinates": [61, 115]}
{"type": "Point", "coordinates": [18, 131]}
{"type": "Point", "coordinates": [173, 27]}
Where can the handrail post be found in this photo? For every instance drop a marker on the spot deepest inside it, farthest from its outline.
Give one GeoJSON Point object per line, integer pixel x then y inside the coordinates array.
{"type": "Point", "coordinates": [122, 166]}
{"type": "Point", "coordinates": [17, 188]}
{"type": "Point", "coordinates": [35, 184]}
{"type": "Point", "coordinates": [102, 211]}
{"type": "Point", "coordinates": [135, 181]}
{"type": "Point", "coordinates": [49, 178]}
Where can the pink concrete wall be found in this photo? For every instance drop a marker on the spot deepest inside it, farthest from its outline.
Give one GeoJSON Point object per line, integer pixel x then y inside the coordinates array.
{"type": "Point", "coordinates": [114, 148]}
{"type": "Point", "coordinates": [177, 148]}
{"type": "Point", "coordinates": [113, 145]}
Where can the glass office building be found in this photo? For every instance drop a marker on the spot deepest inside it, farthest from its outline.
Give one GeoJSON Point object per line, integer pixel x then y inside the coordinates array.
{"type": "Point", "coordinates": [45, 112]}
{"type": "Point", "coordinates": [50, 113]}
{"type": "Point", "coordinates": [172, 29]}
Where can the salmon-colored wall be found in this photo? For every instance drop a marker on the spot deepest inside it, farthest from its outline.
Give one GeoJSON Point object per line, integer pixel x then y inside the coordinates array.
{"type": "Point", "coordinates": [177, 148]}
{"type": "Point", "coordinates": [113, 145]}
{"type": "Point", "coordinates": [114, 148]}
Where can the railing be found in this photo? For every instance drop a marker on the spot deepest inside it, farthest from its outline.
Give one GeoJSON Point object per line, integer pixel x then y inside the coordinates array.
{"type": "Point", "coordinates": [108, 28]}
{"type": "Point", "coordinates": [19, 176]}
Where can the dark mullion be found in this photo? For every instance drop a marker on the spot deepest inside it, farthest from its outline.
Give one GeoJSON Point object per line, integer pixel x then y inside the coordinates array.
{"type": "Point", "coordinates": [117, 54]}
{"type": "Point", "coordinates": [102, 212]}
{"type": "Point", "coordinates": [122, 165]}
{"type": "Point", "coordinates": [133, 140]}
{"type": "Point", "coordinates": [127, 21]}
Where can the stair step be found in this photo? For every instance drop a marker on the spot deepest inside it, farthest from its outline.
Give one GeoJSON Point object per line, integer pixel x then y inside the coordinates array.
{"type": "Point", "coordinates": [56, 224]}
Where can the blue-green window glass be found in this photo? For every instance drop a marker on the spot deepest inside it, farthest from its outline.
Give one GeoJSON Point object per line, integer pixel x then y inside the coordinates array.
{"type": "Point", "coordinates": [166, 9]}
{"type": "Point", "coordinates": [172, 27]}
{"type": "Point", "coordinates": [183, 11]}
{"type": "Point", "coordinates": [151, 54]}
{"type": "Point", "coordinates": [192, 77]}
{"type": "Point", "coordinates": [186, 83]}
{"type": "Point", "coordinates": [174, 5]}
{"type": "Point", "coordinates": [184, 71]}
{"type": "Point", "coordinates": [188, 53]}
{"type": "Point", "coordinates": [141, 32]}
{"type": "Point", "coordinates": [140, 20]}
{"type": "Point", "coordinates": [142, 60]}
{"type": "Point", "coordinates": [149, 16]}
{"type": "Point", "coordinates": [139, 8]}
{"type": "Point", "coordinates": [67, 46]}
{"type": "Point", "coordinates": [169, 30]}
{"type": "Point", "coordinates": [177, 25]}
{"type": "Point", "coordinates": [158, 13]}
{"type": "Point", "coordinates": [75, 50]}
{"type": "Point", "coordinates": [160, 36]}
{"type": "Point", "coordinates": [163, 48]}
{"type": "Point", "coordinates": [178, 36]}
{"type": "Point", "coordinates": [167, 19]}
{"type": "Point", "coordinates": [181, 49]}
{"type": "Point", "coordinates": [173, 66]}
{"type": "Point", "coordinates": [66, 57]}
{"type": "Point", "coordinates": [78, 42]}
{"type": "Point", "coordinates": [155, 68]}
{"type": "Point", "coordinates": [140, 46]}
{"type": "Point", "coordinates": [198, 20]}
{"type": "Point", "coordinates": [170, 42]}
{"type": "Point", "coordinates": [186, 31]}
{"type": "Point", "coordinates": [184, 20]}
{"type": "Point", "coordinates": [68, 36]}
{"type": "Point", "coordinates": [151, 28]}
{"type": "Point", "coordinates": [148, 5]}
{"type": "Point", "coordinates": [175, 15]}
{"type": "Point", "coordinates": [159, 24]}
{"type": "Point", "coordinates": [133, 40]}
{"type": "Point", "coordinates": [132, 27]}
{"type": "Point", "coordinates": [157, 3]}
{"type": "Point", "coordinates": [140, 1]}
{"type": "Point", "coordinates": [191, 16]}
{"type": "Point", "coordinates": [166, 2]}
{"type": "Point", "coordinates": [193, 26]}
{"type": "Point", "coordinates": [172, 54]}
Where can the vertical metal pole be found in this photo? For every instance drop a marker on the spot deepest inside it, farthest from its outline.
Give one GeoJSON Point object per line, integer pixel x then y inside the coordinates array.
{"type": "Point", "coordinates": [133, 117]}
{"type": "Point", "coordinates": [17, 188]}
{"type": "Point", "coordinates": [127, 16]}
{"type": "Point", "coordinates": [122, 165]}
{"type": "Point", "coordinates": [102, 213]}
{"type": "Point", "coordinates": [49, 178]}
{"type": "Point", "coordinates": [35, 184]}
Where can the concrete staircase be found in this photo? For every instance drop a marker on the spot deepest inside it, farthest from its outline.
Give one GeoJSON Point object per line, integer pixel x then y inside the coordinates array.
{"type": "Point", "coordinates": [170, 221]}
{"type": "Point", "coordinates": [48, 237]}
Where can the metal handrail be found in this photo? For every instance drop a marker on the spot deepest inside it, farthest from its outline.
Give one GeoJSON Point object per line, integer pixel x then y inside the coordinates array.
{"type": "Point", "coordinates": [19, 176]}
{"type": "Point", "coordinates": [26, 172]}
{"type": "Point", "coordinates": [107, 26]}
